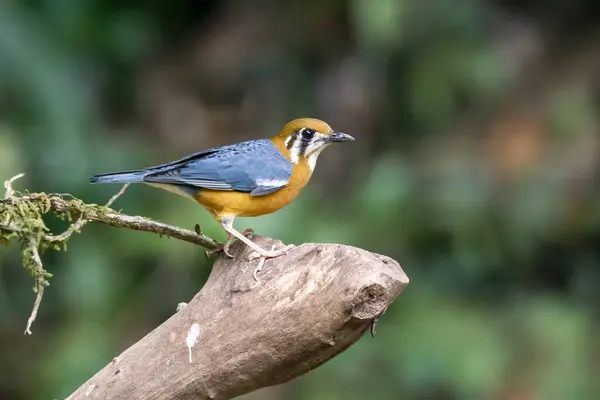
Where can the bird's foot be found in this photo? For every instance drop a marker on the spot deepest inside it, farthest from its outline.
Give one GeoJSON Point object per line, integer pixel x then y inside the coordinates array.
{"type": "Point", "coordinates": [263, 255]}
{"type": "Point", "coordinates": [248, 232]}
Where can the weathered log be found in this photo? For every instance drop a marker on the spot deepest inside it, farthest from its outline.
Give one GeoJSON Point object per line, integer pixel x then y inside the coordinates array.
{"type": "Point", "coordinates": [238, 335]}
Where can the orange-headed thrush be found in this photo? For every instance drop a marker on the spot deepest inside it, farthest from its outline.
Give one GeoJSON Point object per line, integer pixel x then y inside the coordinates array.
{"type": "Point", "coordinates": [246, 179]}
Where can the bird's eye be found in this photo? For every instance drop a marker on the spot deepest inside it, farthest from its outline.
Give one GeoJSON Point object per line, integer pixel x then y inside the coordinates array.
{"type": "Point", "coordinates": [307, 133]}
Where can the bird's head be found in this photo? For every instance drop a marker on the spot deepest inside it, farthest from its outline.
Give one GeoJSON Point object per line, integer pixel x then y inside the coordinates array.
{"type": "Point", "coordinates": [305, 138]}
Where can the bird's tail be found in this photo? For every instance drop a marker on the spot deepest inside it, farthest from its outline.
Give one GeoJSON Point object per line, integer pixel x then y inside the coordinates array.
{"type": "Point", "coordinates": [120, 177]}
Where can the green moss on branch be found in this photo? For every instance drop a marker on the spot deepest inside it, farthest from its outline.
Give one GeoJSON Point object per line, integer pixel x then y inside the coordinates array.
{"type": "Point", "coordinates": [22, 220]}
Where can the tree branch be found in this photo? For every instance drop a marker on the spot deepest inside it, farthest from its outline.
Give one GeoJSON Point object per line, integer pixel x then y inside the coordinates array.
{"type": "Point", "coordinates": [8, 185]}
{"type": "Point", "coordinates": [21, 218]}
{"type": "Point", "coordinates": [91, 212]}
{"type": "Point", "coordinates": [40, 284]}
{"type": "Point", "coordinates": [237, 335]}
{"type": "Point", "coordinates": [76, 227]}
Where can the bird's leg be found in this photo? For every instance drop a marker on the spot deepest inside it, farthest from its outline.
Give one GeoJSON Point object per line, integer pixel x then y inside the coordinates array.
{"type": "Point", "coordinates": [261, 254]}
{"type": "Point", "coordinates": [247, 232]}
{"type": "Point", "coordinates": [227, 245]}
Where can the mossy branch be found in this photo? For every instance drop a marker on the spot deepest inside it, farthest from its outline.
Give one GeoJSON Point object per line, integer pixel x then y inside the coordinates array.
{"type": "Point", "coordinates": [21, 219]}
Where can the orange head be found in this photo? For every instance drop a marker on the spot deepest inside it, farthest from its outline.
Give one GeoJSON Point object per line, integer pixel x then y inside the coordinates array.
{"type": "Point", "coordinates": [305, 138]}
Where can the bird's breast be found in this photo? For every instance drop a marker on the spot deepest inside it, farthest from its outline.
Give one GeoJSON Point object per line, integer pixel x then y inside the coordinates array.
{"type": "Point", "coordinates": [242, 204]}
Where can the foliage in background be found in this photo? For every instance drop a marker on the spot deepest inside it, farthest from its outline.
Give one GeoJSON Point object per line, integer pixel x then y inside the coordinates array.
{"type": "Point", "coordinates": [476, 166]}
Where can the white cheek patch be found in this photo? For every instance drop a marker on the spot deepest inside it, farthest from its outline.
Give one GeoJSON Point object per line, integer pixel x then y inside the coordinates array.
{"type": "Point", "coordinates": [316, 144]}
{"type": "Point", "coordinates": [295, 151]}
{"type": "Point", "coordinates": [315, 148]}
{"type": "Point", "coordinates": [312, 159]}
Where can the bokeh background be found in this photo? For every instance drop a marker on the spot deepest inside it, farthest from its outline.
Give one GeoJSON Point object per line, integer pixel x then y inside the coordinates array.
{"type": "Point", "coordinates": [475, 166]}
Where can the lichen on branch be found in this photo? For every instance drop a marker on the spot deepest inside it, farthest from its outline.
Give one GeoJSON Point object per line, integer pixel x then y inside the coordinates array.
{"type": "Point", "coordinates": [22, 220]}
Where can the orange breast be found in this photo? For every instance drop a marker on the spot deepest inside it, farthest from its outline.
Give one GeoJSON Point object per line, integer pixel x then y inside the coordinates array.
{"type": "Point", "coordinates": [221, 203]}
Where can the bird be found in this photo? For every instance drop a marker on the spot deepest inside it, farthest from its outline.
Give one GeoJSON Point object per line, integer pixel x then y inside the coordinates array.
{"type": "Point", "coordinates": [246, 179]}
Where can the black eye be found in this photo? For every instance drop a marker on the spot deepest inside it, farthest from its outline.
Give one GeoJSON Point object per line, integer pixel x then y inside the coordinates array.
{"type": "Point", "coordinates": [307, 133]}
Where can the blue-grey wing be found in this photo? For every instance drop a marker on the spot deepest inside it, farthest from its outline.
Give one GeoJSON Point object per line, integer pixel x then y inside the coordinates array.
{"type": "Point", "coordinates": [255, 166]}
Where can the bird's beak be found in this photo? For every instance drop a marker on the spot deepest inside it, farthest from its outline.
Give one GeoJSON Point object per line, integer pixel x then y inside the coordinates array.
{"type": "Point", "coordinates": [340, 137]}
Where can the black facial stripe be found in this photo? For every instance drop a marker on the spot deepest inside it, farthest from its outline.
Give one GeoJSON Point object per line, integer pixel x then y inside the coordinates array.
{"type": "Point", "coordinates": [304, 143]}
{"type": "Point", "coordinates": [292, 140]}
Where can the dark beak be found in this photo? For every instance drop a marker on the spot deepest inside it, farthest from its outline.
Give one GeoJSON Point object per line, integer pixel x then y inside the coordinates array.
{"type": "Point", "coordinates": [335, 137]}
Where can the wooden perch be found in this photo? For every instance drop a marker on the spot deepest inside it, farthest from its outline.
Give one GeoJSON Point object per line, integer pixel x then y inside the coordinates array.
{"type": "Point", "coordinates": [237, 335]}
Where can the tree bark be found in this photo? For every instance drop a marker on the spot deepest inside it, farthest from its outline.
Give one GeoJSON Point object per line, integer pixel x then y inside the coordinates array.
{"type": "Point", "coordinates": [238, 335]}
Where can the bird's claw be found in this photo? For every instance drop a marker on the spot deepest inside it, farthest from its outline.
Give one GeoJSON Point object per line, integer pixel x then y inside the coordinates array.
{"type": "Point", "coordinates": [223, 248]}
{"type": "Point", "coordinates": [261, 262]}
{"type": "Point", "coordinates": [267, 254]}
{"type": "Point", "coordinates": [270, 253]}
{"type": "Point", "coordinates": [226, 249]}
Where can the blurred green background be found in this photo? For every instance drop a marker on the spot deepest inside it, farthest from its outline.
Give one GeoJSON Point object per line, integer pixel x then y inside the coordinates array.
{"type": "Point", "coordinates": [475, 165]}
